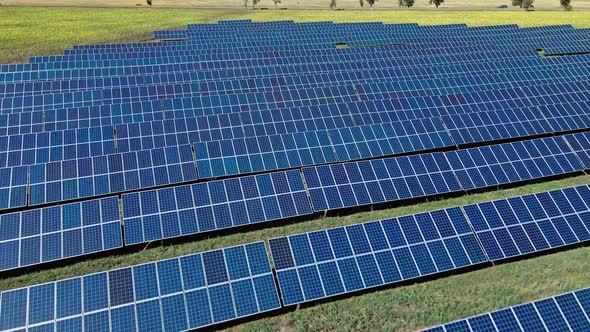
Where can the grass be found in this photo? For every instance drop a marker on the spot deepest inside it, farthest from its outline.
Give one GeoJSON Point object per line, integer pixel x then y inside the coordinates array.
{"type": "Point", "coordinates": [28, 31]}
{"type": "Point", "coordinates": [43, 31]}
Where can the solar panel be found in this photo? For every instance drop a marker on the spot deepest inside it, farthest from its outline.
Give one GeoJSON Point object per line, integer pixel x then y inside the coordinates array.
{"type": "Point", "coordinates": [13, 187]}
{"type": "Point", "coordinates": [265, 153]}
{"type": "Point", "coordinates": [42, 235]}
{"type": "Point", "coordinates": [209, 206]}
{"type": "Point", "coordinates": [334, 261]}
{"type": "Point", "coordinates": [512, 162]}
{"type": "Point", "coordinates": [176, 294]}
{"type": "Point", "coordinates": [532, 223]}
{"type": "Point", "coordinates": [110, 174]}
{"type": "Point", "coordinates": [496, 125]}
{"type": "Point", "coordinates": [385, 139]}
{"type": "Point", "coordinates": [565, 312]}
{"type": "Point", "coordinates": [580, 143]}
{"type": "Point", "coordinates": [48, 146]}
{"type": "Point", "coordinates": [379, 180]}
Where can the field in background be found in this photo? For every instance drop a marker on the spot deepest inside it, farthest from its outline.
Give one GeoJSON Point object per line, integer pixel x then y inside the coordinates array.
{"type": "Point", "coordinates": [42, 31]}
{"type": "Point", "coordinates": [297, 4]}
{"type": "Point", "coordinates": [39, 31]}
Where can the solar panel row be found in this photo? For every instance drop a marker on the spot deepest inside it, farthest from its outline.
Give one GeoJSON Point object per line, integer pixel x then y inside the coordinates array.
{"type": "Point", "coordinates": [244, 55]}
{"type": "Point", "coordinates": [105, 174]}
{"type": "Point", "coordinates": [465, 127]}
{"type": "Point", "coordinates": [442, 109]}
{"type": "Point", "coordinates": [340, 260]}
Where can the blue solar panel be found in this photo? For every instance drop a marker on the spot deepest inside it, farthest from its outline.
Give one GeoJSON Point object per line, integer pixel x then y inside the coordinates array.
{"type": "Point", "coordinates": [326, 263]}
{"type": "Point", "coordinates": [580, 143]}
{"type": "Point", "coordinates": [512, 162]}
{"type": "Point", "coordinates": [266, 153]}
{"type": "Point", "coordinates": [209, 206]}
{"type": "Point", "coordinates": [496, 125]}
{"type": "Point", "coordinates": [380, 180]}
{"type": "Point", "coordinates": [532, 223]}
{"type": "Point", "coordinates": [13, 187]}
{"type": "Point", "coordinates": [176, 294]}
{"type": "Point", "coordinates": [43, 147]}
{"type": "Point", "coordinates": [53, 233]}
{"type": "Point", "coordinates": [565, 312]}
{"type": "Point", "coordinates": [110, 174]}
{"type": "Point", "coordinates": [380, 140]}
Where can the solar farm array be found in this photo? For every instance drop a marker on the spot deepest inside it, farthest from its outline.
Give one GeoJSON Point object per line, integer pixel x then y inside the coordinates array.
{"type": "Point", "coordinates": [237, 123]}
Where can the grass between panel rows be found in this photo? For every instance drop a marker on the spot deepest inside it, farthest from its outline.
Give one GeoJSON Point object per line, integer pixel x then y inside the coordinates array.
{"type": "Point", "coordinates": [401, 308]}
{"type": "Point", "coordinates": [42, 31]}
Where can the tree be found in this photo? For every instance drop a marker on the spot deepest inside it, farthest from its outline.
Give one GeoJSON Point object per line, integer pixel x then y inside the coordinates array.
{"type": "Point", "coordinates": [526, 4]}
{"type": "Point", "coordinates": [371, 3]}
{"type": "Point", "coordinates": [362, 3]}
{"type": "Point", "coordinates": [436, 2]}
{"type": "Point", "coordinates": [254, 3]}
{"type": "Point", "coordinates": [332, 4]}
{"type": "Point", "coordinates": [406, 3]}
{"type": "Point", "coordinates": [566, 4]}
{"type": "Point", "coordinates": [276, 2]}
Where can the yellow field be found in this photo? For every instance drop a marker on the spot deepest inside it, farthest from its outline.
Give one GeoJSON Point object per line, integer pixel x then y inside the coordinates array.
{"type": "Point", "coordinates": [42, 31]}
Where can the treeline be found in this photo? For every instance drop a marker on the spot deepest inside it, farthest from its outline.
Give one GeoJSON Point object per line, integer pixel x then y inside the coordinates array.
{"type": "Point", "coordinates": [524, 4]}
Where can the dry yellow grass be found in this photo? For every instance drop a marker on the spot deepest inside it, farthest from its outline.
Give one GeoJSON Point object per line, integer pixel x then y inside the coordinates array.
{"type": "Point", "coordinates": [26, 32]}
